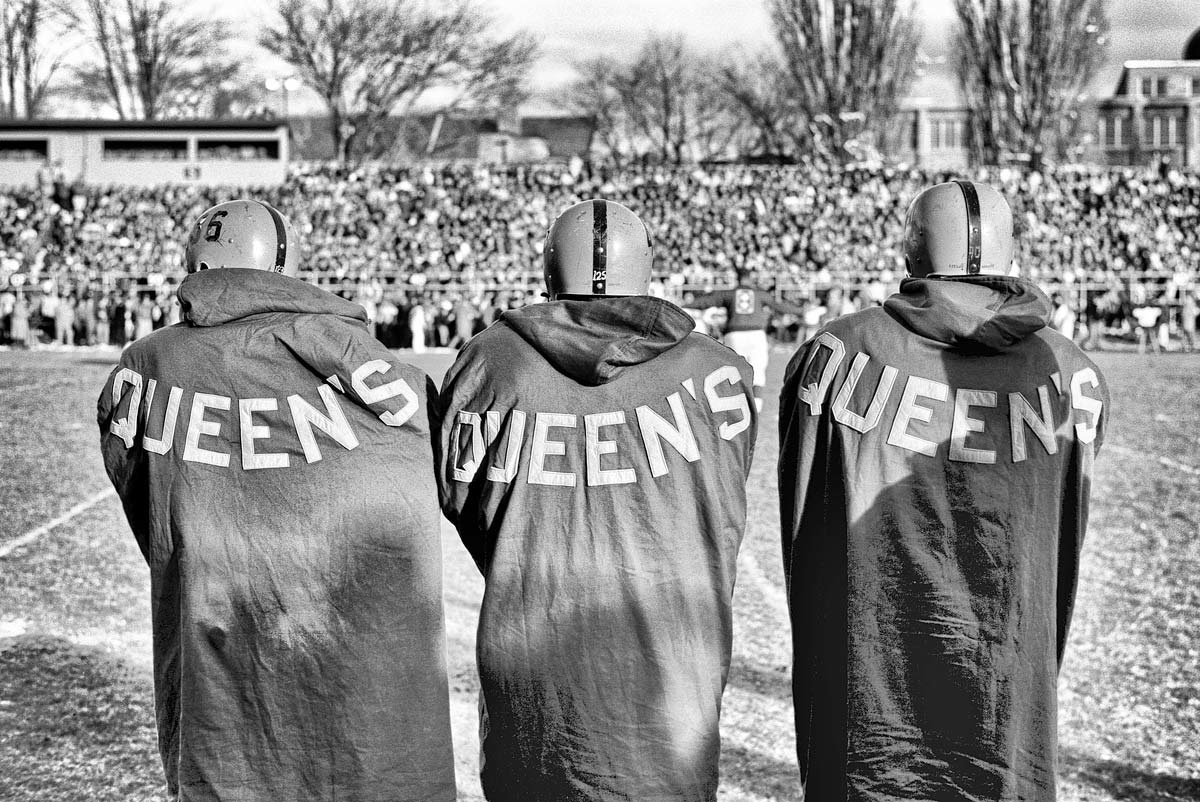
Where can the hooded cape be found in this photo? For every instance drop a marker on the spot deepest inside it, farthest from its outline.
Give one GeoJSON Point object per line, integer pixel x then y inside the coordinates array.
{"type": "Point", "coordinates": [276, 468]}
{"type": "Point", "coordinates": [935, 463]}
{"type": "Point", "coordinates": [594, 459]}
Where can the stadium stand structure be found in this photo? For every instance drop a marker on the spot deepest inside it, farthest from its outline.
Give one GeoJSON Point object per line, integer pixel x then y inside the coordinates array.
{"type": "Point", "coordinates": [143, 153]}
{"type": "Point", "coordinates": [495, 139]}
{"type": "Point", "coordinates": [1152, 118]}
{"type": "Point", "coordinates": [1154, 115]}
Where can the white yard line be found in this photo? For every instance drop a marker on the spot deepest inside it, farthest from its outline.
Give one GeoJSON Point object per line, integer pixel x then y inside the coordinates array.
{"type": "Point", "coordinates": [1179, 466]}
{"type": "Point", "coordinates": [773, 596]}
{"type": "Point", "coordinates": [33, 534]}
{"type": "Point", "coordinates": [1166, 462]}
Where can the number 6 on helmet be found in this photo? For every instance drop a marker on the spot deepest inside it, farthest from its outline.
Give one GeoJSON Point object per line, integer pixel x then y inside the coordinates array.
{"type": "Point", "coordinates": [243, 233]}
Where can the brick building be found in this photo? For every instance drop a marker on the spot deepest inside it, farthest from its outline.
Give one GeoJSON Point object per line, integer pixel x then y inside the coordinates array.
{"type": "Point", "coordinates": [1154, 113]}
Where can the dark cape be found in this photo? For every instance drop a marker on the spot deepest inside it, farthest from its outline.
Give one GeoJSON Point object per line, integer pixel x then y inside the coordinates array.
{"type": "Point", "coordinates": [276, 467]}
{"type": "Point", "coordinates": [935, 463]}
{"type": "Point", "coordinates": [594, 459]}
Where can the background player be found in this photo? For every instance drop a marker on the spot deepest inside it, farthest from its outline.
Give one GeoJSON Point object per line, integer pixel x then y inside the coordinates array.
{"type": "Point", "coordinates": [748, 312]}
{"type": "Point", "coordinates": [935, 464]}
{"type": "Point", "coordinates": [595, 454]}
{"type": "Point", "coordinates": [276, 467]}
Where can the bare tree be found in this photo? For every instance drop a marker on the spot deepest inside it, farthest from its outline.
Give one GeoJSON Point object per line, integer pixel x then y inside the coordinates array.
{"type": "Point", "coordinates": [758, 85]}
{"type": "Point", "coordinates": [719, 122]}
{"type": "Point", "coordinates": [225, 92]}
{"type": "Point", "coordinates": [151, 58]}
{"type": "Point", "coordinates": [667, 100]}
{"type": "Point", "coordinates": [655, 91]}
{"type": "Point", "coordinates": [848, 62]}
{"type": "Point", "coordinates": [1022, 66]}
{"type": "Point", "coordinates": [369, 59]}
{"type": "Point", "coordinates": [595, 93]}
{"type": "Point", "coordinates": [29, 59]}
{"type": "Point", "coordinates": [497, 75]}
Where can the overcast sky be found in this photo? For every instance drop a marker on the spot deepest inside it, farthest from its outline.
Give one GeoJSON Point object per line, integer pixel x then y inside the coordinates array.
{"type": "Point", "coordinates": [570, 31]}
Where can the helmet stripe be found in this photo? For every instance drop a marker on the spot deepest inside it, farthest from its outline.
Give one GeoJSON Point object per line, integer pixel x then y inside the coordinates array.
{"type": "Point", "coordinates": [599, 247]}
{"type": "Point", "coordinates": [280, 237]}
{"type": "Point", "coordinates": [974, 235]}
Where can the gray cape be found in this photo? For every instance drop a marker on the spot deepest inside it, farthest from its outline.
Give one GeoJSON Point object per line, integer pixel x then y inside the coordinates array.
{"type": "Point", "coordinates": [276, 468]}
{"type": "Point", "coordinates": [594, 459]}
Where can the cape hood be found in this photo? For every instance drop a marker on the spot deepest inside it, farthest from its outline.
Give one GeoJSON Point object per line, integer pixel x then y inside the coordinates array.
{"type": "Point", "coordinates": [593, 341]}
{"type": "Point", "coordinates": [214, 297]}
{"type": "Point", "coordinates": [973, 313]}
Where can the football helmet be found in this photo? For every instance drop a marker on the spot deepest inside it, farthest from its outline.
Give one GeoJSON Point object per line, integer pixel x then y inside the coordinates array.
{"type": "Point", "coordinates": [243, 233]}
{"type": "Point", "coordinates": [958, 228]}
{"type": "Point", "coordinates": [597, 247]}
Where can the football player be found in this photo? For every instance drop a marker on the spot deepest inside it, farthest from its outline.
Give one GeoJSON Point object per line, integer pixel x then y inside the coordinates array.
{"type": "Point", "coordinates": [935, 463]}
{"type": "Point", "coordinates": [594, 459]}
{"type": "Point", "coordinates": [748, 311]}
{"type": "Point", "coordinates": [276, 468]}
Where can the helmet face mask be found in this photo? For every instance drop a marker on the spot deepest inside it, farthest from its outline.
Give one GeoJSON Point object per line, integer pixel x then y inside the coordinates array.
{"type": "Point", "coordinates": [958, 228]}
{"type": "Point", "coordinates": [597, 248]}
{"type": "Point", "coordinates": [243, 234]}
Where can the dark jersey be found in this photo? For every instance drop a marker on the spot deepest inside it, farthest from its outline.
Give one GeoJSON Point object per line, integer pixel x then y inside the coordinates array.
{"type": "Point", "coordinates": [747, 308]}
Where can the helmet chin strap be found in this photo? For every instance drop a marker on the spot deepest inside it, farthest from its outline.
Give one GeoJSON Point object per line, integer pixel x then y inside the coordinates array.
{"type": "Point", "coordinates": [974, 235]}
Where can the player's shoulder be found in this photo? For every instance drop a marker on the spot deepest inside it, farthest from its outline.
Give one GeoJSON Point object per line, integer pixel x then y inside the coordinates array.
{"type": "Point", "coordinates": [862, 323]}
{"type": "Point", "coordinates": [698, 352]}
{"type": "Point", "coordinates": [492, 356]}
{"type": "Point", "coordinates": [852, 332]}
{"type": "Point", "coordinates": [372, 348]}
{"type": "Point", "coordinates": [157, 344]}
{"type": "Point", "coordinates": [698, 345]}
{"type": "Point", "coordinates": [1066, 353]}
{"type": "Point", "coordinates": [498, 337]}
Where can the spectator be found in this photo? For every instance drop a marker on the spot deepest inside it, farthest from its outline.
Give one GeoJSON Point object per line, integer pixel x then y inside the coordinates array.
{"type": "Point", "coordinates": [8, 300]}
{"type": "Point", "coordinates": [1147, 315]}
{"type": "Point", "coordinates": [64, 321]}
{"type": "Point", "coordinates": [1187, 315]}
{"type": "Point", "coordinates": [49, 315]}
{"type": "Point", "coordinates": [143, 317]}
{"type": "Point", "coordinates": [1063, 318]}
{"type": "Point", "coordinates": [85, 320]}
{"type": "Point", "coordinates": [416, 325]}
{"type": "Point", "coordinates": [1094, 320]}
{"type": "Point", "coordinates": [103, 326]}
{"type": "Point", "coordinates": [426, 229]}
{"type": "Point", "coordinates": [20, 334]}
{"type": "Point", "coordinates": [464, 321]}
{"type": "Point", "coordinates": [116, 322]}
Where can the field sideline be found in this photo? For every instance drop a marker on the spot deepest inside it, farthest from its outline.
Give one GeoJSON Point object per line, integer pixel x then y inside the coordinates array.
{"type": "Point", "coordinates": [76, 710]}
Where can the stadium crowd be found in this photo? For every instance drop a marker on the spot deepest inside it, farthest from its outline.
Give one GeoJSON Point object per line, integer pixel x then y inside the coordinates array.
{"type": "Point", "coordinates": [435, 253]}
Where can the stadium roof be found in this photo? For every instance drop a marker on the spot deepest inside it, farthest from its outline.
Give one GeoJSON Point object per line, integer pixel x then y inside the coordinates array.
{"type": "Point", "coordinates": [139, 125]}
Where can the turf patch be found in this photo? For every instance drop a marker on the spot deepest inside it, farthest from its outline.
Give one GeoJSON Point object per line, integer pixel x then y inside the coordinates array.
{"type": "Point", "coordinates": [74, 724]}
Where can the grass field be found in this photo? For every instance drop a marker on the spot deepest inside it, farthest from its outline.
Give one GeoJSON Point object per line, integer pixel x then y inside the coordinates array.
{"type": "Point", "coordinates": [76, 719]}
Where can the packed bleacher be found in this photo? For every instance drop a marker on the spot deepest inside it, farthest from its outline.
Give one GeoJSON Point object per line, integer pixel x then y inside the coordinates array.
{"type": "Point", "coordinates": [463, 241]}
